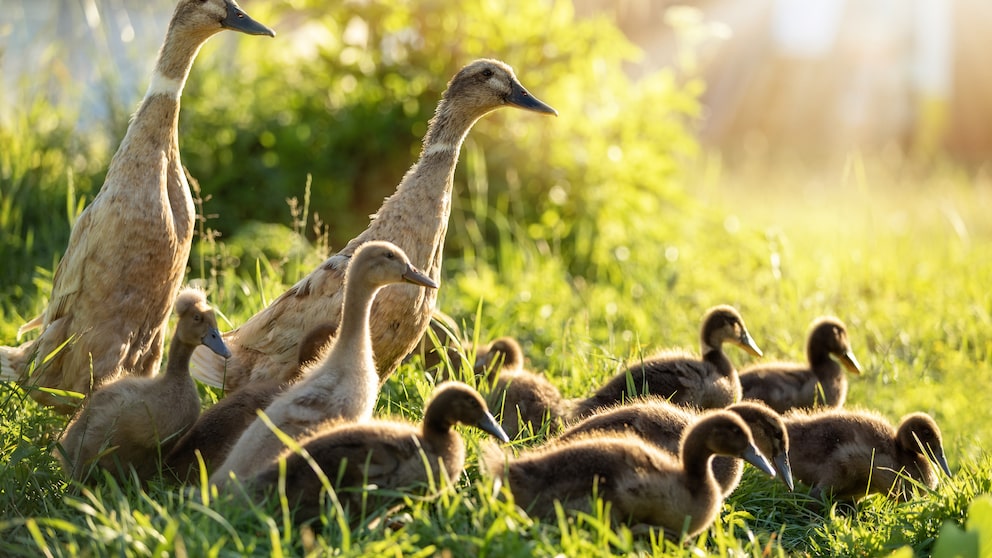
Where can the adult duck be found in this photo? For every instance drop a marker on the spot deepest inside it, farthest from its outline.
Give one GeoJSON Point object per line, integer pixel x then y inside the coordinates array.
{"type": "Point", "coordinates": [131, 422]}
{"type": "Point", "coordinates": [851, 453]}
{"type": "Point", "coordinates": [415, 218]}
{"type": "Point", "coordinates": [128, 250]}
{"type": "Point", "coordinates": [642, 483]}
{"type": "Point", "coordinates": [785, 385]}
{"type": "Point", "coordinates": [344, 384]}
{"type": "Point", "coordinates": [388, 455]}
{"type": "Point", "coordinates": [708, 381]}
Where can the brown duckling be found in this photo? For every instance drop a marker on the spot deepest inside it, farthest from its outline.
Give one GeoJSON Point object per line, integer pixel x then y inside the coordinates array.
{"type": "Point", "coordinates": [518, 396]}
{"type": "Point", "coordinates": [386, 454]}
{"type": "Point", "coordinates": [132, 421]}
{"type": "Point", "coordinates": [448, 334]}
{"type": "Point", "coordinates": [663, 423]}
{"type": "Point", "coordinates": [851, 454]}
{"type": "Point", "coordinates": [344, 384]}
{"type": "Point", "coordinates": [220, 426]}
{"type": "Point", "coordinates": [643, 484]}
{"type": "Point", "coordinates": [785, 385]}
{"type": "Point", "coordinates": [684, 379]}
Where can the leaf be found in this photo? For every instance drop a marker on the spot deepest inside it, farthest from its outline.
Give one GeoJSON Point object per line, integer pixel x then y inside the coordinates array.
{"type": "Point", "coordinates": [955, 543]}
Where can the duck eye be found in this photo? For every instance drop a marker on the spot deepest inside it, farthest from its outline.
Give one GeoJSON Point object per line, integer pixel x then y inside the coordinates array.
{"type": "Point", "coordinates": [487, 73]}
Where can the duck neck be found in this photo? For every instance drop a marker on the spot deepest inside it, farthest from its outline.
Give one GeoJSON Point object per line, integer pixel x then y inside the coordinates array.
{"type": "Point", "coordinates": [716, 357]}
{"type": "Point", "coordinates": [422, 203]}
{"type": "Point", "coordinates": [354, 333]}
{"type": "Point", "coordinates": [696, 459]}
{"type": "Point", "coordinates": [820, 362]}
{"type": "Point", "coordinates": [177, 367]}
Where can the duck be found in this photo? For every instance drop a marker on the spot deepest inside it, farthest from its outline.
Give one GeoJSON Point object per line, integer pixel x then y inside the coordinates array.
{"type": "Point", "coordinates": [127, 254]}
{"type": "Point", "coordinates": [709, 381]}
{"type": "Point", "coordinates": [131, 421]}
{"type": "Point", "coordinates": [345, 383]}
{"type": "Point", "coordinates": [785, 386]}
{"type": "Point", "coordinates": [219, 427]}
{"type": "Point", "coordinates": [850, 454]}
{"type": "Point", "coordinates": [662, 423]}
{"type": "Point", "coordinates": [388, 455]}
{"type": "Point", "coordinates": [522, 398]}
{"type": "Point", "coordinates": [643, 484]}
{"type": "Point", "coordinates": [415, 218]}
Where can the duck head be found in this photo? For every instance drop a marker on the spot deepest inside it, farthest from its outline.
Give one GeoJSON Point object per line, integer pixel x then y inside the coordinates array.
{"type": "Point", "coordinates": [831, 334]}
{"type": "Point", "coordinates": [503, 353]}
{"type": "Point", "coordinates": [487, 85]}
{"type": "Point", "coordinates": [769, 435]}
{"type": "Point", "coordinates": [210, 16]}
{"type": "Point", "coordinates": [918, 433]}
{"type": "Point", "coordinates": [381, 263]}
{"type": "Point", "coordinates": [725, 433]}
{"type": "Point", "coordinates": [725, 324]}
{"type": "Point", "coordinates": [197, 323]}
{"type": "Point", "coordinates": [455, 402]}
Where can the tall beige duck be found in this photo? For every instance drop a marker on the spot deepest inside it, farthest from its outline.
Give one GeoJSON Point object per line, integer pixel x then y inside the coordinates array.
{"type": "Point", "coordinates": [415, 218]}
{"type": "Point", "coordinates": [344, 384]}
{"type": "Point", "coordinates": [128, 251]}
{"type": "Point", "coordinates": [132, 421]}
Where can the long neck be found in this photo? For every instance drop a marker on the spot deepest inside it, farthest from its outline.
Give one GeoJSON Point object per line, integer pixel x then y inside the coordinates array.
{"type": "Point", "coordinates": [820, 362]}
{"type": "Point", "coordinates": [354, 332]}
{"type": "Point", "coordinates": [718, 359]}
{"type": "Point", "coordinates": [415, 218]}
{"type": "Point", "coordinates": [179, 356]}
{"type": "Point", "coordinates": [696, 457]}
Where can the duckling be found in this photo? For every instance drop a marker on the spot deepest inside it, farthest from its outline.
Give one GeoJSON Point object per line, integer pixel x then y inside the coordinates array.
{"type": "Point", "coordinates": [386, 454]}
{"type": "Point", "coordinates": [342, 385]}
{"type": "Point", "coordinates": [415, 218]}
{"type": "Point", "coordinates": [851, 454]}
{"type": "Point", "coordinates": [785, 385]}
{"type": "Point", "coordinates": [682, 378]}
{"type": "Point", "coordinates": [220, 426]}
{"type": "Point", "coordinates": [663, 423]}
{"type": "Point", "coordinates": [522, 397]}
{"type": "Point", "coordinates": [132, 421]}
{"type": "Point", "coordinates": [127, 252]}
{"type": "Point", "coordinates": [643, 484]}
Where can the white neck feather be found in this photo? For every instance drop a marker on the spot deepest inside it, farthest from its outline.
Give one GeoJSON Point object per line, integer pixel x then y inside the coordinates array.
{"type": "Point", "coordinates": [162, 85]}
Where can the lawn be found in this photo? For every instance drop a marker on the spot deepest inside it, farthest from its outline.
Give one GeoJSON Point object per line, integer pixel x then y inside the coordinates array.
{"type": "Point", "coordinates": [901, 255]}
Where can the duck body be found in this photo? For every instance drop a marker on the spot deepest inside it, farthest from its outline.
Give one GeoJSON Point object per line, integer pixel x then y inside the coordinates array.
{"type": "Point", "coordinates": [519, 396]}
{"type": "Point", "coordinates": [707, 382]}
{"type": "Point", "coordinates": [219, 427]}
{"type": "Point", "coordinates": [344, 384]}
{"type": "Point", "coordinates": [663, 424]}
{"type": "Point", "coordinates": [415, 218]}
{"type": "Point", "coordinates": [131, 421]}
{"type": "Point", "coordinates": [644, 484]}
{"type": "Point", "coordinates": [851, 454]}
{"type": "Point", "coordinates": [821, 382]}
{"type": "Point", "coordinates": [389, 455]}
{"type": "Point", "coordinates": [128, 250]}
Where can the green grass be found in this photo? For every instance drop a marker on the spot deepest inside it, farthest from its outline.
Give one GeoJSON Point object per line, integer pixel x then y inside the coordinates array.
{"type": "Point", "coordinates": [903, 257]}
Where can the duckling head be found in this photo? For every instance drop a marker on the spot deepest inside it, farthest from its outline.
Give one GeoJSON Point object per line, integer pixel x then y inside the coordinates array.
{"type": "Point", "coordinates": [724, 324]}
{"type": "Point", "coordinates": [918, 433]}
{"type": "Point", "coordinates": [455, 402]}
{"type": "Point", "coordinates": [197, 323]}
{"type": "Point", "coordinates": [769, 434]}
{"type": "Point", "coordinates": [485, 85]}
{"type": "Point", "coordinates": [206, 17]}
{"type": "Point", "coordinates": [503, 353]}
{"type": "Point", "coordinates": [830, 333]}
{"type": "Point", "coordinates": [725, 433]}
{"type": "Point", "coordinates": [380, 263]}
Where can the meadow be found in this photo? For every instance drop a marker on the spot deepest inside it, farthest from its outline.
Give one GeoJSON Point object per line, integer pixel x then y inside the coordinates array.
{"type": "Point", "coordinates": [593, 239]}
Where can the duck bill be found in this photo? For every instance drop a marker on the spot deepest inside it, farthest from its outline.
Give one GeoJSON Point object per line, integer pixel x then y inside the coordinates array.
{"type": "Point", "coordinates": [520, 97]}
{"type": "Point", "coordinates": [749, 345]}
{"type": "Point", "coordinates": [238, 20]}
{"type": "Point", "coordinates": [489, 424]}
{"type": "Point", "coordinates": [752, 456]}
{"type": "Point", "coordinates": [413, 275]}
{"type": "Point", "coordinates": [851, 363]}
{"type": "Point", "coordinates": [784, 469]}
{"type": "Point", "coordinates": [215, 342]}
{"type": "Point", "coordinates": [939, 459]}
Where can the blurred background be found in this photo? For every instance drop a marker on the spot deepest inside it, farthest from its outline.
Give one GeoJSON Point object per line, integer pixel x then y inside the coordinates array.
{"type": "Point", "coordinates": [296, 140]}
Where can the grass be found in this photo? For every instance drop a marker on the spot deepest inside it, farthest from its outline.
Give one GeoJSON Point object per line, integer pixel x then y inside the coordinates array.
{"type": "Point", "coordinates": [903, 256]}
